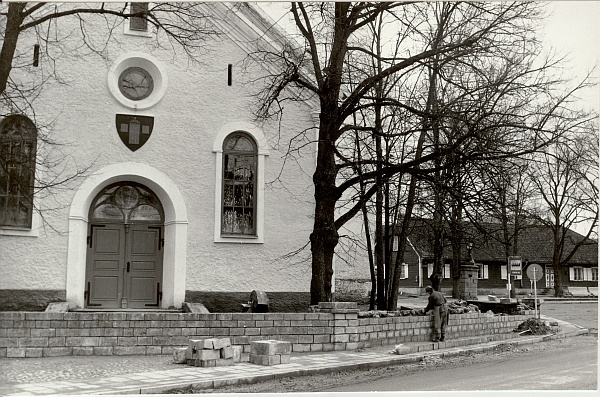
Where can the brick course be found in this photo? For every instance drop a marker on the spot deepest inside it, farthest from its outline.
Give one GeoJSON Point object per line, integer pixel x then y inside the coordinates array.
{"type": "Point", "coordinates": [41, 334]}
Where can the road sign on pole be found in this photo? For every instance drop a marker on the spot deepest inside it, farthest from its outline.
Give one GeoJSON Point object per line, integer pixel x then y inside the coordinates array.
{"type": "Point", "coordinates": [535, 273]}
{"type": "Point", "coordinates": [515, 266]}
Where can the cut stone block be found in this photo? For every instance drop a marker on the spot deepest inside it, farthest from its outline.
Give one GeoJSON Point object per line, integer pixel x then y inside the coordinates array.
{"type": "Point", "coordinates": [262, 359]}
{"type": "Point", "coordinates": [219, 343]}
{"type": "Point", "coordinates": [270, 347]}
{"type": "Point", "coordinates": [338, 305]}
{"type": "Point", "coordinates": [219, 362]}
{"type": "Point", "coordinates": [237, 353]}
{"type": "Point", "coordinates": [179, 355]}
{"type": "Point", "coordinates": [57, 307]}
{"type": "Point", "coordinates": [227, 352]}
{"type": "Point", "coordinates": [189, 307]}
{"type": "Point", "coordinates": [207, 354]}
{"type": "Point", "coordinates": [285, 358]}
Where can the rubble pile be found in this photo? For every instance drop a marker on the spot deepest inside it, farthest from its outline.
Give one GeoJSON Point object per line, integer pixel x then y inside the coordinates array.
{"type": "Point", "coordinates": [533, 326]}
{"type": "Point", "coordinates": [461, 306]}
{"type": "Point", "coordinates": [456, 307]}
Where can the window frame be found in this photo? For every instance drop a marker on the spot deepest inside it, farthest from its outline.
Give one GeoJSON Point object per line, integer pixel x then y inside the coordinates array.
{"type": "Point", "coordinates": [233, 182]}
{"type": "Point", "coordinates": [27, 198]}
{"type": "Point", "coordinates": [482, 271]}
{"type": "Point", "coordinates": [578, 273]}
{"type": "Point", "coordinates": [262, 153]}
{"type": "Point", "coordinates": [128, 30]}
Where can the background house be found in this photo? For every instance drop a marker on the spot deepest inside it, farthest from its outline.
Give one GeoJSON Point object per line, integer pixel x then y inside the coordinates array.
{"type": "Point", "coordinates": [534, 247]}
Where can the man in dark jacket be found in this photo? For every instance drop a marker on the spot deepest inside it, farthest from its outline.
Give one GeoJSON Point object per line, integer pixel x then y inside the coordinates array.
{"type": "Point", "coordinates": [437, 303]}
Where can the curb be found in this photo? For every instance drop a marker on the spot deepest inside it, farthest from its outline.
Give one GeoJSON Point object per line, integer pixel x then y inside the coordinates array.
{"type": "Point", "coordinates": [417, 354]}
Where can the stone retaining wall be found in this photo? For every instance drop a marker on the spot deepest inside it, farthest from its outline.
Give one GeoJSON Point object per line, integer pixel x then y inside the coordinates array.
{"type": "Point", "coordinates": [333, 327]}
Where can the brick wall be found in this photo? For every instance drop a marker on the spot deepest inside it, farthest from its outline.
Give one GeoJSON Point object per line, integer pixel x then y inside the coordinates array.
{"type": "Point", "coordinates": [40, 334]}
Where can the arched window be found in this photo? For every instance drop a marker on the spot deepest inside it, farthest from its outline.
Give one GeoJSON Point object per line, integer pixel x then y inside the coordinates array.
{"type": "Point", "coordinates": [18, 142]}
{"type": "Point", "coordinates": [238, 213]}
{"type": "Point", "coordinates": [126, 202]}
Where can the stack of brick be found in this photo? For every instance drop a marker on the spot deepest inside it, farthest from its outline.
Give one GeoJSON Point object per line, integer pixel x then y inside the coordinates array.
{"type": "Point", "coordinates": [213, 352]}
{"type": "Point", "coordinates": [270, 352]}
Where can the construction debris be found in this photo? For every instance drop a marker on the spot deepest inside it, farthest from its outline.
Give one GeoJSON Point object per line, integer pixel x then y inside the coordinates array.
{"type": "Point", "coordinates": [534, 326]}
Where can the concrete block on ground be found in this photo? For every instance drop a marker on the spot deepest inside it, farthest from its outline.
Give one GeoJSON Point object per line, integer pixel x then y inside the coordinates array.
{"type": "Point", "coordinates": [219, 343]}
{"type": "Point", "coordinates": [270, 347]}
{"type": "Point", "coordinates": [237, 353]}
{"type": "Point", "coordinates": [227, 352]}
{"type": "Point", "coordinates": [180, 355]}
{"type": "Point", "coordinates": [207, 354]}
{"type": "Point", "coordinates": [57, 307]}
{"type": "Point", "coordinates": [262, 359]}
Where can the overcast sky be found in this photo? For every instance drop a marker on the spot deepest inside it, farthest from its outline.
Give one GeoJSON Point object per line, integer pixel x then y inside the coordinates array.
{"type": "Point", "coordinates": [573, 29]}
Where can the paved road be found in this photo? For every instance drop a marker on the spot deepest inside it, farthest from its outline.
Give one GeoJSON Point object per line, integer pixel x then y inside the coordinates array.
{"type": "Point", "coordinates": [573, 368]}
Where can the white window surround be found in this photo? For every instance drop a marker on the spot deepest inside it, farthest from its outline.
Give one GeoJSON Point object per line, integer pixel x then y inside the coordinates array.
{"type": "Point", "coordinates": [176, 223]}
{"type": "Point", "coordinates": [147, 62]}
{"type": "Point", "coordinates": [150, 32]}
{"type": "Point", "coordinates": [263, 151]}
{"type": "Point", "coordinates": [24, 232]}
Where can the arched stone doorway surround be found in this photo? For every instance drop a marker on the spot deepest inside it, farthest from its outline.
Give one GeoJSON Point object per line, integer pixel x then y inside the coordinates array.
{"type": "Point", "coordinates": [176, 222]}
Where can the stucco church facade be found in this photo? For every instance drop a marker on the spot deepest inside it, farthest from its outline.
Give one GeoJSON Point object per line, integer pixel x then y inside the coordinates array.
{"type": "Point", "coordinates": [185, 196]}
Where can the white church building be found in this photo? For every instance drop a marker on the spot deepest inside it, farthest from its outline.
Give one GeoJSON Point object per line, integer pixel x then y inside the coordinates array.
{"type": "Point", "coordinates": [185, 196]}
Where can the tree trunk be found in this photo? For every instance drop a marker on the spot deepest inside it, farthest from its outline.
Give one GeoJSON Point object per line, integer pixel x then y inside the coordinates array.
{"type": "Point", "coordinates": [9, 46]}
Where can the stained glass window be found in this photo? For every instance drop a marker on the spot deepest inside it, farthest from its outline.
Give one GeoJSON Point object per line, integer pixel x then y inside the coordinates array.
{"type": "Point", "coordinates": [125, 202]}
{"type": "Point", "coordinates": [239, 185]}
{"type": "Point", "coordinates": [18, 140]}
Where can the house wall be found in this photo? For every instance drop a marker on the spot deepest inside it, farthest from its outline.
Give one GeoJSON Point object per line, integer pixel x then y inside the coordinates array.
{"type": "Point", "coordinates": [179, 163]}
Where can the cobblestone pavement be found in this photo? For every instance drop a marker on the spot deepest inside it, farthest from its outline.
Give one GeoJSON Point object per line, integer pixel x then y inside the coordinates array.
{"type": "Point", "coordinates": [155, 374]}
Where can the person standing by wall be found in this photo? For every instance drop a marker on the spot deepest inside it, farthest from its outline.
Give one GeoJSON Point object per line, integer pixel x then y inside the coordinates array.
{"type": "Point", "coordinates": [437, 303]}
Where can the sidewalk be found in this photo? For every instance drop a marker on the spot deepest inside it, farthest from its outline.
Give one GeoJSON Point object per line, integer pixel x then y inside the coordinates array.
{"type": "Point", "coordinates": [110, 375]}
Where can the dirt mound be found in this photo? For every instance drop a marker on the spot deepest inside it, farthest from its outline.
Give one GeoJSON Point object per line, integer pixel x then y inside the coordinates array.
{"type": "Point", "coordinates": [534, 326]}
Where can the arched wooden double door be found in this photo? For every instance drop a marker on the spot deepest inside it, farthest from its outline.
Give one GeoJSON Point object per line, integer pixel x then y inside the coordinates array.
{"type": "Point", "coordinates": [125, 242]}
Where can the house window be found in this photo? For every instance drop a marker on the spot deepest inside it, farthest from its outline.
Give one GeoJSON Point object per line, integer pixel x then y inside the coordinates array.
{"type": "Point", "coordinates": [447, 270]}
{"type": "Point", "coordinates": [594, 274]}
{"type": "Point", "coordinates": [404, 271]}
{"type": "Point", "coordinates": [239, 185]}
{"type": "Point", "coordinates": [577, 274]}
{"type": "Point", "coordinates": [18, 140]}
{"type": "Point", "coordinates": [482, 271]}
{"type": "Point", "coordinates": [139, 23]}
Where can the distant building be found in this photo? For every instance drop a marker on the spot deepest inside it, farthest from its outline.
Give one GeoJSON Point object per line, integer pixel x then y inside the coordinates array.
{"type": "Point", "coordinates": [534, 247]}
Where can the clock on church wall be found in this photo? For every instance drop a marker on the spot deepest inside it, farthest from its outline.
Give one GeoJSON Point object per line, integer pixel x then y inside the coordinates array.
{"type": "Point", "coordinates": [137, 80]}
{"type": "Point", "coordinates": [136, 83]}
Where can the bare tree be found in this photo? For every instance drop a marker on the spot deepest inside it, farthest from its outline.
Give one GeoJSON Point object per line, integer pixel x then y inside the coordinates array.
{"type": "Point", "coordinates": [333, 33]}
{"type": "Point", "coordinates": [566, 180]}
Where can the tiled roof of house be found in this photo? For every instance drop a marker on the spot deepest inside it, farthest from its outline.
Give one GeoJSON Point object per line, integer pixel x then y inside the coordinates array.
{"type": "Point", "coordinates": [535, 243]}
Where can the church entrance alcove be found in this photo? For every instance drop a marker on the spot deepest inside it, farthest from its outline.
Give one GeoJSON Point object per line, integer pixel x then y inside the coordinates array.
{"type": "Point", "coordinates": [124, 262]}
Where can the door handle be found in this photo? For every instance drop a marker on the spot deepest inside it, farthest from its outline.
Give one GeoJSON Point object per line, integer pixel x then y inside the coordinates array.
{"type": "Point", "coordinates": [128, 266]}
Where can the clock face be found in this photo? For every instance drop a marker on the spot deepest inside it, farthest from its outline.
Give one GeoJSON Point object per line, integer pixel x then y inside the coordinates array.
{"type": "Point", "coordinates": [136, 83]}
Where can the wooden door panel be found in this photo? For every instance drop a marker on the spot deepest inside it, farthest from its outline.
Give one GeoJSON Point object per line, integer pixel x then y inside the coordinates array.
{"type": "Point", "coordinates": [143, 290]}
{"type": "Point", "coordinates": [145, 265]}
{"type": "Point", "coordinates": [144, 242]}
{"type": "Point", "coordinates": [105, 289]}
{"type": "Point", "coordinates": [105, 265]}
{"type": "Point", "coordinates": [107, 241]}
